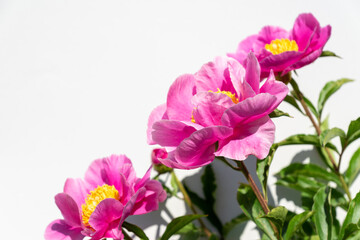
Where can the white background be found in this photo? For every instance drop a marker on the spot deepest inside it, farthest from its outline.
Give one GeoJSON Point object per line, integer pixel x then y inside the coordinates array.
{"type": "Point", "coordinates": [78, 80]}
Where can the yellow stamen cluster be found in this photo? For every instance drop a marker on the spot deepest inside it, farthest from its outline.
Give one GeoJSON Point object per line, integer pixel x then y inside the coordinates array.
{"type": "Point", "coordinates": [94, 198]}
{"type": "Point", "coordinates": [229, 94]}
{"type": "Point", "coordinates": [278, 46]}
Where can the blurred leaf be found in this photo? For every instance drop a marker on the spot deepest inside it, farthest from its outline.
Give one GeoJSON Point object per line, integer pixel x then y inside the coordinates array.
{"type": "Point", "coordinates": [209, 186]}
{"type": "Point", "coordinates": [352, 216]}
{"type": "Point", "coordinates": [135, 229]}
{"type": "Point", "coordinates": [309, 170]}
{"type": "Point", "coordinates": [291, 100]}
{"type": "Point", "coordinates": [278, 113]}
{"type": "Point", "coordinates": [178, 223]}
{"type": "Point", "coordinates": [353, 132]}
{"type": "Point", "coordinates": [329, 134]}
{"type": "Point", "coordinates": [329, 89]}
{"type": "Point", "coordinates": [354, 167]}
{"type": "Point", "coordinates": [322, 214]}
{"type": "Point", "coordinates": [351, 230]}
{"type": "Point", "coordinates": [233, 223]}
{"type": "Point", "coordinates": [308, 187]}
{"type": "Point", "coordinates": [277, 216]}
{"type": "Point", "coordinates": [328, 54]}
{"type": "Point", "coordinates": [262, 168]}
{"type": "Point", "coordinates": [296, 223]}
{"type": "Point", "coordinates": [304, 139]}
{"type": "Point", "coordinates": [175, 188]}
{"type": "Point", "coordinates": [324, 124]}
{"type": "Point", "coordinates": [252, 209]}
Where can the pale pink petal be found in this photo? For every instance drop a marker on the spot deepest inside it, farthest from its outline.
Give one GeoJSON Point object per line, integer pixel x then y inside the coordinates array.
{"type": "Point", "coordinates": [242, 87]}
{"type": "Point", "coordinates": [252, 76]}
{"type": "Point", "coordinates": [213, 76]}
{"type": "Point", "coordinates": [60, 230]}
{"type": "Point", "coordinates": [157, 114]}
{"type": "Point", "coordinates": [209, 107]}
{"type": "Point", "coordinates": [154, 193]}
{"type": "Point", "coordinates": [244, 47]}
{"type": "Point", "coordinates": [69, 209]}
{"type": "Point", "coordinates": [106, 217]}
{"type": "Point", "coordinates": [254, 138]}
{"type": "Point", "coordinates": [269, 33]}
{"type": "Point", "coordinates": [171, 162]}
{"type": "Point", "coordinates": [275, 88]}
{"type": "Point", "coordinates": [171, 133]}
{"type": "Point", "coordinates": [198, 149]}
{"type": "Point", "coordinates": [108, 170]}
{"type": "Point", "coordinates": [178, 99]}
{"type": "Point", "coordinates": [77, 189]}
{"type": "Point", "coordinates": [249, 110]}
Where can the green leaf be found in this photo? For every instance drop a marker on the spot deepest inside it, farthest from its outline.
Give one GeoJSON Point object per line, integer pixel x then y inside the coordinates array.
{"type": "Point", "coordinates": [262, 168]}
{"type": "Point", "coordinates": [178, 223]}
{"type": "Point", "coordinates": [233, 223]}
{"type": "Point", "coordinates": [252, 209]}
{"type": "Point", "coordinates": [296, 223]}
{"type": "Point", "coordinates": [291, 100]}
{"type": "Point", "coordinates": [354, 167]}
{"type": "Point", "coordinates": [324, 124]}
{"type": "Point", "coordinates": [309, 170]}
{"type": "Point", "coordinates": [353, 132]}
{"type": "Point", "coordinates": [328, 54]}
{"type": "Point", "coordinates": [322, 211]}
{"type": "Point", "coordinates": [329, 89]}
{"type": "Point", "coordinates": [278, 113]}
{"type": "Point", "coordinates": [277, 216]}
{"type": "Point", "coordinates": [135, 229]}
{"type": "Point", "coordinates": [308, 187]}
{"type": "Point", "coordinates": [305, 139]}
{"type": "Point", "coordinates": [351, 230]}
{"type": "Point", "coordinates": [352, 216]}
{"type": "Point", "coordinates": [329, 134]}
{"type": "Point", "coordinates": [209, 186]}
{"type": "Point", "coordinates": [175, 188]}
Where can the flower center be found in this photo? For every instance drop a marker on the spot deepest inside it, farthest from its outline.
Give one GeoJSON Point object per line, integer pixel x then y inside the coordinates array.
{"type": "Point", "coordinates": [278, 46]}
{"type": "Point", "coordinates": [229, 94]}
{"type": "Point", "coordinates": [94, 198]}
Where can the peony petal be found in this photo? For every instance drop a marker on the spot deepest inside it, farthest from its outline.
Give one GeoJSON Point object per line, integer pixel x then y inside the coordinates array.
{"type": "Point", "coordinates": [171, 133]}
{"type": "Point", "coordinates": [269, 33]}
{"type": "Point", "coordinates": [69, 209]}
{"type": "Point", "coordinates": [252, 76]}
{"type": "Point", "coordinates": [77, 189]}
{"type": "Point", "coordinates": [60, 230]}
{"type": "Point", "coordinates": [254, 138]}
{"type": "Point", "coordinates": [304, 27]}
{"type": "Point", "coordinates": [105, 219]}
{"type": "Point", "coordinates": [157, 114]}
{"type": "Point", "coordinates": [107, 171]}
{"type": "Point", "coordinates": [275, 88]}
{"type": "Point", "coordinates": [171, 162]}
{"type": "Point", "coordinates": [244, 47]}
{"type": "Point", "coordinates": [154, 193]}
{"type": "Point", "coordinates": [198, 149]}
{"type": "Point", "coordinates": [213, 76]}
{"type": "Point", "coordinates": [249, 110]}
{"type": "Point", "coordinates": [280, 61]}
{"type": "Point", "coordinates": [178, 99]}
{"type": "Point", "coordinates": [209, 107]}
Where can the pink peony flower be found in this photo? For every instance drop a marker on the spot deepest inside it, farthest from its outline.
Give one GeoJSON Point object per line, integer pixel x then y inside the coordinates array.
{"type": "Point", "coordinates": [283, 51]}
{"type": "Point", "coordinates": [97, 206]}
{"type": "Point", "coordinates": [219, 111]}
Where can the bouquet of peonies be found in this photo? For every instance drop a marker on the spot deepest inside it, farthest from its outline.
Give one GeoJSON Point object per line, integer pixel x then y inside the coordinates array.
{"type": "Point", "coordinates": [224, 113]}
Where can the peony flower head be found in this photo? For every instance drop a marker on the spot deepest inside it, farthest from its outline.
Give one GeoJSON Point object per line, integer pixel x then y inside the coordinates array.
{"type": "Point", "coordinates": [220, 111]}
{"type": "Point", "coordinates": [97, 205]}
{"type": "Point", "coordinates": [282, 51]}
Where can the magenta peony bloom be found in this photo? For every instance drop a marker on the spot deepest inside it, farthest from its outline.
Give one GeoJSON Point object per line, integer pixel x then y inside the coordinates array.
{"type": "Point", "coordinates": [97, 206]}
{"type": "Point", "coordinates": [283, 51]}
{"type": "Point", "coordinates": [219, 111]}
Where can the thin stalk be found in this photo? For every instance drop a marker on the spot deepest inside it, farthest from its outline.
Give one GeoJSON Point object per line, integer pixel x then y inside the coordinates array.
{"type": "Point", "coordinates": [126, 235]}
{"type": "Point", "coordinates": [257, 192]}
{"type": "Point", "coordinates": [189, 203]}
{"type": "Point", "coordinates": [318, 131]}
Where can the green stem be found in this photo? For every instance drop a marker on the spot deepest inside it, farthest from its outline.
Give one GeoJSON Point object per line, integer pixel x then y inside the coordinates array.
{"type": "Point", "coordinates": [189, 203]}
{"type": "Point", "coordinates": [126, 235]}
{"type": "Point", "coordinates": [318, 131]}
